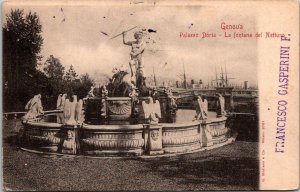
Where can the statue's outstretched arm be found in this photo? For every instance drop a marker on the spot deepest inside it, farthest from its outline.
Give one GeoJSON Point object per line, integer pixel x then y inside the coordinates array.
{"type": "Point", "coordinates": [126, 43]}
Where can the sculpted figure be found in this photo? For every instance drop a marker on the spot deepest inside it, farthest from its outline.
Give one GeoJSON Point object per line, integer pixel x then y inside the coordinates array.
{"type": "Point", "coordinates": [60, 118]}
{"type": "Point", "coordinates": [61, 101]}
{"type": "Point", "coordinates": [172, 104]}
{"type": "Point", "coordinates": [201, 108]}
{"type": "Point", "coordinates": [73, 111]}
{"type": "Point", "coordinates": [91, 92]}
{"type": "Point", "coordinates": [133, 92]}
{"type": "Point", "coordinates": [136, 61]}
{"type": "Point", "coordinates": [69, 144]}
{"type": "Point", "coordinates": [152, 110]}
{"type": "Point", "coordinates": [69, 111]}
{"type": "Point", "coordinates": [104, 94]}
{"type": "Point", "coordinates": [221, 105]}
{"type": "Point", "coordinates": [34, 107]}
{"type": "Point", "coordinates": [58, 101]}
{"type": "Point", "coordinates": [104, 91]}
{"type": "Point", "coordinates": [168, 91]}
{"type": "Point", "coordinates": [115, 72]}
{"type": "Point", "coordinates": [120, 84]}
{"type": "Point", "coordinates": [78, 112]}
{"type": "Point", "coordinates": [154, 93]}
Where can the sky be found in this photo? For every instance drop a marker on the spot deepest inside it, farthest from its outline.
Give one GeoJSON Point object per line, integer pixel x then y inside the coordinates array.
{"type": "Point", "coordinates": [73, 33]}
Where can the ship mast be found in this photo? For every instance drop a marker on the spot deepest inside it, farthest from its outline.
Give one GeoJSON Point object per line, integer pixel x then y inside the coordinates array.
{"type": "Point", "coordinates": [154, 78]}
{"type": "Point", "coordinates": [222, 76]}
{"type": "Point", "coordinates": [184, 78]}
{"type": "Point", "coordinates": [226, 80]}
{"type": "Point", "coordinates": [216, 77]}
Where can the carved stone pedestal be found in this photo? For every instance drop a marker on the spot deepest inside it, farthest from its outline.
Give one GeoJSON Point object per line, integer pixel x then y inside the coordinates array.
{"type": "Point", "coordinates": [205, 134]}
{"type": "Point", "coordinates": [70, 144]}
{"type": "Point", "coordinates": [154, 139]}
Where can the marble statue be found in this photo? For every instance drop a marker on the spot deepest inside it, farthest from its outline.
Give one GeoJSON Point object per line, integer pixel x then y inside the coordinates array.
{"type": "Point", "coordinates": [168, 91]}
{"type": "Point", "coordinates": [91, 92]}
{"type": "Point", "coordinates": [137, 49]}
{"type": "Point", "coordinates": [61, 101]}
{"type": "Point", "coordinates": [78, 112]}
{"type": "Point", "coordinates": [120, 84]}
{"type": "Point", "coordinates": [67, 110]}
{"type": "Point", "coordinates": [104, 94]}
{"type": "Point", "coordinates": [154, 93]}
{"type": "Point", "coordinates": [134, 92]}
{"type": "Point", "coordinates": [152, 110]}
{"type": "Point", "coordinates": [69, 144]}
{"type": "Point", "coordinates": [138, 77]}
{"type": "Point", "coordinates": [201, 108]}
{"type": "Point", "coordinates": [73, 111]}
{"type": "Point", "coordinates": [60, 118]}
{"type": "Point", "coordinates": [104, 91]}
{"type": "Point", "coordinates": [58, 101]}
{"type": "Point", "coordinates": [34, 107]}
{"type": "Point", "coordinates": [171, 105]}
{"type": "Point", "coordinates": [221, 105]}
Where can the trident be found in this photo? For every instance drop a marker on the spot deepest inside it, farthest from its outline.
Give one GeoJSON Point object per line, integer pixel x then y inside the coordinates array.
{"type": "Point", "coordinates": [123, 32]}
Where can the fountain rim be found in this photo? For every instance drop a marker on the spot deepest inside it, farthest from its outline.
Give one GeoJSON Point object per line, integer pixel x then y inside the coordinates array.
{"type": "Point", "coordinates": [34, 122]}
{"type": "Point", "coordinates": [115, 128]}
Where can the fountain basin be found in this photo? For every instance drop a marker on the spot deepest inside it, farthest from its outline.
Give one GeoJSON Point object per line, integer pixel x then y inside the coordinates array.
{"type": "Point", "coordinates": [103, 140]}
{"type": "Point", "coordinates": [44, 135]}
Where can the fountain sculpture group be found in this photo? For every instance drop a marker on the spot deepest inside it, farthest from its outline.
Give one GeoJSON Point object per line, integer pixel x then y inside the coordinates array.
{"type": "Point", "coordinates": [124, 118]}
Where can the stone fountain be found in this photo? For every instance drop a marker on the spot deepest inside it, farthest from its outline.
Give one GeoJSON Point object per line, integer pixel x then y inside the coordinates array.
{"type": "Point", "coordinates": [123, 118]}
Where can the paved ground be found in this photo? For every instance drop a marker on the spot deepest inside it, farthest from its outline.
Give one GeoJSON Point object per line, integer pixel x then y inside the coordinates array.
{"type": "Point", "coordinates": [234, 166]}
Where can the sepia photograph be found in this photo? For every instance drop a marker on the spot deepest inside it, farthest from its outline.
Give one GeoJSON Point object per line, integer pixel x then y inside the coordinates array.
{"type": "Point", "coordinates": [132, 95]}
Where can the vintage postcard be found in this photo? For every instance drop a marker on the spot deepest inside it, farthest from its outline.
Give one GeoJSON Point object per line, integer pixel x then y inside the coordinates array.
{"type": "Point", "coordinates": [150, 95]}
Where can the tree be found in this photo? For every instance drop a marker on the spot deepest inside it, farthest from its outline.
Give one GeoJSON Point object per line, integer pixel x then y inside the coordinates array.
{"type": "Point", "coordinates": [22, 42]}
{"type": "Point", "coordinates": [71, 74]}
{"type": "Point", "coordinates": [54, 69]}
{"type": "Point", "coordinates": [82, 87]}
{"type": "Point", "coordinates": [56, 85]}
{"type": "Point", "coordinates": [86, 80]}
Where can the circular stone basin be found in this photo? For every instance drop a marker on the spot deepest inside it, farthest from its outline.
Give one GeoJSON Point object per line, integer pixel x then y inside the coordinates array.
{"type": "Point", "coordinates": [50, 134]}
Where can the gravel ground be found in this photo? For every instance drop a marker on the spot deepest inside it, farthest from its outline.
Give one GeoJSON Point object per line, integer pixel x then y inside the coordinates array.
{"type": "Point", "coordinates": [232, 167]}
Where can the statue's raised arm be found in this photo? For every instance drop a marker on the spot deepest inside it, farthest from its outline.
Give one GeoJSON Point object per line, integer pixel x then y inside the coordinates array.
{"type": "Point", "coordinates": [126, 43]}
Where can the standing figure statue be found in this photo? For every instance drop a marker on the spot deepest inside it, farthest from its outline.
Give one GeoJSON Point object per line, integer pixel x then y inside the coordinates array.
{"type": "Point", "coordinates": [34, 107]}
{"type": "Point", "coordinates": [61, 101]}
{"type": "Point", "coordinates": [73, 111]}
{"type": "Point", "coordinates": [201, 108]}
{"type": "Point", "coordinates": [221, 105]}
{"type": "Point", "coordinates": [136, 61]}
